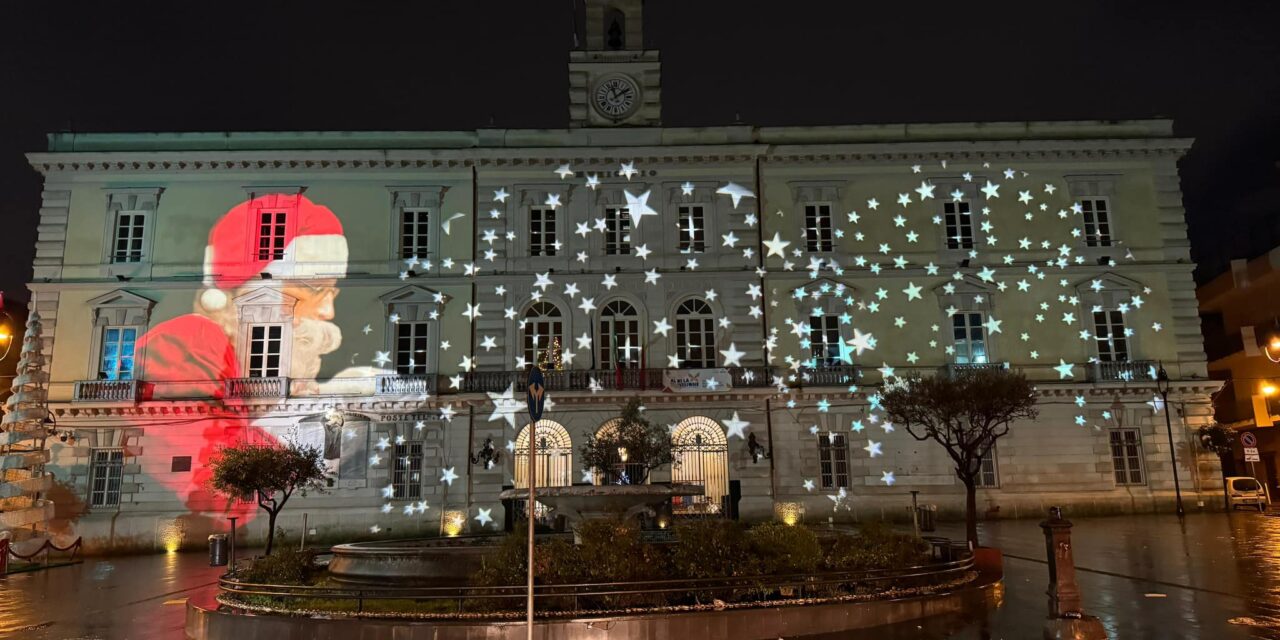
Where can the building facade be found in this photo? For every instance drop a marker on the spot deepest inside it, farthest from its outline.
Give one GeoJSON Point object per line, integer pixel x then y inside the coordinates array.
{"type": "Point", "coordinates": [382, 295]}
{"type": "Point", "coordinates": [1242, 326]}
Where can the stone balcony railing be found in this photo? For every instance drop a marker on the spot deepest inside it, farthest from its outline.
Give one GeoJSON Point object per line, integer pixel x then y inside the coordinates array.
{"type": "Point", "coordinates": [405, 385]}
{"type": "Point", "coordinates": [952, 369]}
{"type": "Point", "coordinates": [23, 459]}
{"type": "Point", "coordinates": [607, 379]}
{"type": "Point", "coordinates": [274, 387]}
{"type": "Point", "coordinates": [105, 391]}
{"type": "Point", "coordinates": [24, 481]}
{"type": "Point", "coordinates": [831, 375]}
{"type": "Point", "coordinates": [1127, 371]}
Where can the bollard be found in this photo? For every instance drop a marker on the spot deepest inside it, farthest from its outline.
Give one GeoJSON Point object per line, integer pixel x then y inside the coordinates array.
{"type": "Point", "coordinates": [1066, 615]}
{"type": "Point", "coordinates": [4, 553]}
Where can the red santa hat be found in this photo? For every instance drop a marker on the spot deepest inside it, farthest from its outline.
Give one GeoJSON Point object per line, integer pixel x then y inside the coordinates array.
{"type": "Point", "coordinates": [247, 240]}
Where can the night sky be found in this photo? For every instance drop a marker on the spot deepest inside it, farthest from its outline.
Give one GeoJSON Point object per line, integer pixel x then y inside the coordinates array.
{"type": "Point", "coordinates": [129, 66]}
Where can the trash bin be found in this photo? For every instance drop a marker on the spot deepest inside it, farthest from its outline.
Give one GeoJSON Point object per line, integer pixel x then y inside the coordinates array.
{"type": "Point", "coordinates": [928, 516]}
{"type": "Point", "coordinates": [218, 550]}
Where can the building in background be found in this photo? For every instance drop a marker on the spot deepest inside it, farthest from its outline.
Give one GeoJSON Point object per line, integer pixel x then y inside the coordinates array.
{"type": "Point", "coordinates": [754, 285]}
{"type": "Point", "coordinates": [1241, 317]}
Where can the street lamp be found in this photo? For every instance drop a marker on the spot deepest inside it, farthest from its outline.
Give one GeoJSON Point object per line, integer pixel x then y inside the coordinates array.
{"type": "Point", "coordinates": [1162, 385]}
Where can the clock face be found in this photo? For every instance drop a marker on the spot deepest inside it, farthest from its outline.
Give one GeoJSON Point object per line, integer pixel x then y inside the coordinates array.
{"type": "Point", "coordinates": [616, 97]}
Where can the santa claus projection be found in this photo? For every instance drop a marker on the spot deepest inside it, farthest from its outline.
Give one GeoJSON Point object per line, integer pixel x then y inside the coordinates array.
{"type": "Point", "coordinates": [191, 357]}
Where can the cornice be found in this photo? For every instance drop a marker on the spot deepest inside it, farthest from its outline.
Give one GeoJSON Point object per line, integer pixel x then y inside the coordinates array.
{"type": "Point", "coordinates": [323, 161]}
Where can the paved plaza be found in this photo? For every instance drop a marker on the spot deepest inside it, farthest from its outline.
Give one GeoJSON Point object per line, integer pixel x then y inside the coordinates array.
{"type": "Point", "coordinates": [1215, 576]}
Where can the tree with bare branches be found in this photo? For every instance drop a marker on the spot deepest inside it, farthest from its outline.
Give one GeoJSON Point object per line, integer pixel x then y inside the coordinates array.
{"type": "Point", "coordinates": [965, 413]}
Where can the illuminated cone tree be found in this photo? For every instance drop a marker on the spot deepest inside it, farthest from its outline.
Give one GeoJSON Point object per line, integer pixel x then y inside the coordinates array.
{"type": "Point", "coordinates": [24, 512]}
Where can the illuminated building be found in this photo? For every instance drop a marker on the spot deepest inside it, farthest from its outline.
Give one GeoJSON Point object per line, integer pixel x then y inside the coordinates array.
{"type": "Point", "coordinates": [665, 261]}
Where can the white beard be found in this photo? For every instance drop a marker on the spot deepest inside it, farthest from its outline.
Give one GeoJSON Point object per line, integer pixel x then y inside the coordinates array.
{"type": "Point", "coordinates": [312, 339]}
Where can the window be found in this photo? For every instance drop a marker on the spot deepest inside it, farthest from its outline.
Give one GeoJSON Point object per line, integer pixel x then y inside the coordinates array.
{"type": "Point", "coordinates": [617, 231]}
{"type": "Point", "coordinates": [833, 456]}
{"type": "Point", "coordinates": [180, 464]}
{"type": "Point", "coordinates": [104, 477]}
{"type": "Point", "coordinates": [1126, 455]}
{"type": "Point", "coordinates": [116, 361]}
{"type": "Point", "coordinates": [988, 477]}
{"type": "Point", "coordinates": [415, 225]}
{"type": "Point", "coordinates": [271, 235]}
{"type": "Point", "coordinates": [970, 338]}
{"type": "Point", "coordinates": [619, 336]}
{"type": "Point", "coordinates": [817, 227]}
{"type": "Point", "coordinates": [824, 340]}
{"type": "Point", "coordinates": [959, 224]}
{"type": "Point", "coordinates": [406, 471]}
{"type": "Point", "coordinates": [542, 330]}
{"type": "Point", "coordinates": [542, 232]}
{"type": "Point", "coordinates": [130, 226]}
{"type": "Point", "coordinates": [411, 348]}
{"type": "Point", "coordinates": [693, 229]}
{"type": "Point", "coordinates": [1109, 331]}
{"type": "Point", "coordinates": [264, 350]}
{"type": "Point", "coordinates": [695, 335]}
{"type": "Point", "coordinates": [1097, 222]}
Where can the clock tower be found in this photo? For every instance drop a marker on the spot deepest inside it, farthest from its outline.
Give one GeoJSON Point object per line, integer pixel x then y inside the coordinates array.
{"type": "Point", "coordinates": [613, 80]}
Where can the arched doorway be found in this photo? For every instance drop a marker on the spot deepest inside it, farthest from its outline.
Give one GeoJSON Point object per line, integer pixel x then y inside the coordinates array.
{"type": "Point", "coordinates": [628, 472]}
{"type": "Point", "coordinates": [701, 451]}
{"type": "Point", "coordinates": [555, 456]}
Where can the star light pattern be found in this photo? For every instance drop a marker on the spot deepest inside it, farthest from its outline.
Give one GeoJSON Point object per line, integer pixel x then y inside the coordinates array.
{"type": "Point", "coordinates": [1016, 214]}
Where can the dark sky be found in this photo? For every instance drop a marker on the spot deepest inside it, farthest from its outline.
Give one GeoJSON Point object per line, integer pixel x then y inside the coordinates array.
{"type": "Point", "coordinates": [186, 66]}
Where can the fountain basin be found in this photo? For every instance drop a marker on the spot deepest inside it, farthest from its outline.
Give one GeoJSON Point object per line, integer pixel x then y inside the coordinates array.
{"type": "Point", "coordinates": [429, 562]}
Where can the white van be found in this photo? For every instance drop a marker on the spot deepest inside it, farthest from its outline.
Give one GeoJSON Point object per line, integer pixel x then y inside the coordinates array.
{"type": "Point", "coordinates": [1243, 490]}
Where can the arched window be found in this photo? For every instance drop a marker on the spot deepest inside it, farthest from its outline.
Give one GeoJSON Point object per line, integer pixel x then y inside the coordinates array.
{"type": "Point", "coordinates": [695, 334]}
{"type": "Point", "coordinates": [555, 456]}
{"type": "Point", "coordinates": [619, 337]}
{"type": "Point", "coordinates": [700, 450]}
{"type": "Point", "coordinates": [615, 29]}
{"type": "Point", "coordinates": [542, 331]}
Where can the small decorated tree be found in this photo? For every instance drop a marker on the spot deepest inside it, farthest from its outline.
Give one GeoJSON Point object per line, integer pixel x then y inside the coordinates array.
{"type": "Point", "coordinates": [626, 452]}
{"type": "Point", "coordinates": [271, 473]}
{"type": "Point", "coordinates": [966, 414]}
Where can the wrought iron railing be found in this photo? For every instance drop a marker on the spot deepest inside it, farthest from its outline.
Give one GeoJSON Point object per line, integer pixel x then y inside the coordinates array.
{"type": "Point", "coordinates": [586, 598]}
{"type": "Point", "coordinates": [105, 391]}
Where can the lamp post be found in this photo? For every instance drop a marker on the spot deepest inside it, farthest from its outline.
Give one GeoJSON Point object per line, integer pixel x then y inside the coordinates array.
{"type": "Point", "coordinates": [1272, 348]}
{"type": "Point", "coordinates": [1162, 385]}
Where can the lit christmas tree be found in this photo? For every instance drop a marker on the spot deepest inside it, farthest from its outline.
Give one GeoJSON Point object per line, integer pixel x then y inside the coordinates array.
{"type": "Point", "coordinates": [551, 357]}
{"type": "Point", "coordinates": [23, 481]}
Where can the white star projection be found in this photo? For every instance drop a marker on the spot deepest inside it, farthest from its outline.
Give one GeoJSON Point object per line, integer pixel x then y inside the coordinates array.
{"type": "Point", "coordinates": [1011, 253]}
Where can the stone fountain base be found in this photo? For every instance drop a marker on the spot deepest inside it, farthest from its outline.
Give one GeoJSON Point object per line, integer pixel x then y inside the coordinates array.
{"type": "Point", "coordinates": [581, 503]}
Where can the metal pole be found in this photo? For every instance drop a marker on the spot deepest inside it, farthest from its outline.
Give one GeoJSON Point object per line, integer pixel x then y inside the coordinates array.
{"type": "Point", "coordinates": [533, 482]}
{"type": "Point", "coordinates": [303, 544]}
{"type": "Point", "coordinates": [232, 555]}
{"type": "Point", "coordinates": [1173, 453]}
{"type": "Point", "coordinates": [915, 514]}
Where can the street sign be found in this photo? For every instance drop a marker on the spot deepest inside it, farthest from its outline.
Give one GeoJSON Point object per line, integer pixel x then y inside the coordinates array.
{"type": "Point", "coordinates": [536, 394]}
{"type": "Point", "coordinates": [1251, 454]}
{"type": "Point", "coordinates": [1247, 439]}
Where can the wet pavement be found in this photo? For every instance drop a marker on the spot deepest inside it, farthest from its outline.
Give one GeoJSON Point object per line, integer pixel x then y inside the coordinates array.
{"type": "Point", "coordinates": [1214, 576]}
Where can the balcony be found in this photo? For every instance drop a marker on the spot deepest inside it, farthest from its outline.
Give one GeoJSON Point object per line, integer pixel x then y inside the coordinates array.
{"type": "Point", "coordinates": [1129, 371]}
{"type": "Point", "coordinates": [18, 482]}
{"type": "Point", "coordinates": [23, 459]}
{"type": "Point", "coordinates": [105, 391]}
{"type": "Point", "coordinates": [832, 375]}
{"type": "Point", "coordinates": [405, 385]}
{"type": "Point", "coordinates": [277, 387]}
{"type": "Point", "coordinates": [607, 379]}
{"type": "Point", "coordinates": [952, 369]}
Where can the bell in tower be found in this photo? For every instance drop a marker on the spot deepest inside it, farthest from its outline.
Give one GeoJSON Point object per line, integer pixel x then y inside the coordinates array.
{"type": "Point", "coordinates": [613, 80]}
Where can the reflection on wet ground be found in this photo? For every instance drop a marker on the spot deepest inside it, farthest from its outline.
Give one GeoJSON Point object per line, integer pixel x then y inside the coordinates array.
{"type": "Point", "coordinates": [1214, 576]}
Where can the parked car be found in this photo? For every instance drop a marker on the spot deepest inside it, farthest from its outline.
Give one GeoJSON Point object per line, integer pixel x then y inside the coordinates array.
{"type": "Point", "coordinates": [1243, 490]}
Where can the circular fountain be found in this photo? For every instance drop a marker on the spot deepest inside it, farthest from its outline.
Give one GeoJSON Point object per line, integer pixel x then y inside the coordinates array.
{"type": "Point", "coordinates": [452, 561]}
